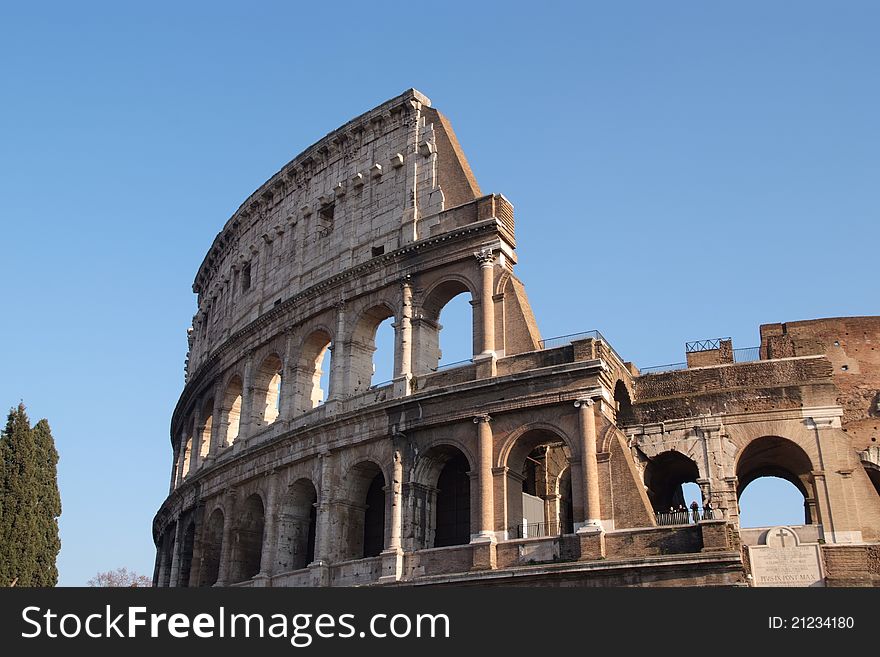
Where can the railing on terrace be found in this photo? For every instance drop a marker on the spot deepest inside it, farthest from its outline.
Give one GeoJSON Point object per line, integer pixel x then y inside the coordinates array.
{"type": "Point", "coordinates": [536, 529]}
{"type": "Point", "coordinates": [683, 516]}
{"type": "Point", "coordinates": [704, 345]}
{"type": "Point", "coordinates": [562, 340]}
{"type": "Point", "coordinates": [656, 369]}
{"type": "Point", "coordinates": [381, 384]}
{"type": "Point", "coordinates": [746, 354]}
{"type": "Point", "coordinates": [449, 366]}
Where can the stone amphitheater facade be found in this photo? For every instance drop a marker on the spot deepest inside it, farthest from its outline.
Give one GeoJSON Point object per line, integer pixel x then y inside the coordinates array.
{"type": "Point", "coordinates": [538, 461]}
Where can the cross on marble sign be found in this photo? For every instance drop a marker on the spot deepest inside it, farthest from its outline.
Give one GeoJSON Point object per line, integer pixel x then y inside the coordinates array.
{"type": "Point", "coordinates": [781, 534]}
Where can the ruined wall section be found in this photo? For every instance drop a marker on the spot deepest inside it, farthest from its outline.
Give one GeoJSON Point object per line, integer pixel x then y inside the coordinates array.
{"type": "Point", "coordinates": [356, 194]}
{"type": "Point", "coordinates": [788, 383]}
{"type": "Point", "coordinates": [852, 345]}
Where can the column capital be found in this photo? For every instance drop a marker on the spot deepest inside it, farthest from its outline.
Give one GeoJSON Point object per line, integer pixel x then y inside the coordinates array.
{"type": "Point", "coordinates": [482, 417]}
{"type": "Point", "coordinates": [585, 401]}
{"type": "Point", "coordinates": [485, 256]}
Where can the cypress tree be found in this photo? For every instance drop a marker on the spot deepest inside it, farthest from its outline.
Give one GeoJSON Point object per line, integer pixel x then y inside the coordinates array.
{"type": "Point", "coordinates": [47, 541]}
{"type": "Point", "coordinates": [29, 503]}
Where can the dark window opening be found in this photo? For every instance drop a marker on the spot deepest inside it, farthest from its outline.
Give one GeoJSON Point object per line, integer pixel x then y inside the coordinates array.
{"type": "Point", "coordinates": [246, 277]}
{"type": "Point", "coordinates": [378, 250]}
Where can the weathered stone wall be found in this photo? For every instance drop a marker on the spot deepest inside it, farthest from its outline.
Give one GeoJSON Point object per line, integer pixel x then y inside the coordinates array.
{"type": "Point", "coordinates": [852, 346]}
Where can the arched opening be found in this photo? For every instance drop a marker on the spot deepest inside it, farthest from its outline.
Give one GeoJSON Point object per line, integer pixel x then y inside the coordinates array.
{"type": "Point", "coordinates": [453, 515]}
{"type": "Point", "coordinates": [297, 527]}
{"type": "Point", "coordinates": [231, 418]}
{"type": "Point", "coordinates": [445, 332]}
{"type": "Point", "coordinates": [363, 530]}
{"type": "Point", "coordinates": [186, 554]}
{"type": "Point", "coordinates": [782, 467]}
{"type": "Point", "coordinates": [440, 497]}
{"type": "Point", "coordinates": [537, 503]}
{"type": "Point", "coordinates": [205, 442]}
{"type": "Point", "coordinates": [267, 390]}
{"type": "Point", "coordinates": [249, 539]}
{"type": "Point", "coordinates": [374, 517]}
{"type": "Point", "coordinates": [771, 501]}
{"type": "Point", "coordinates": [623, 404]}
{"type": "Point", "coordinates": [313, 371]}
{"type": "Point", "coordinates": [874, 476]}
{"type": "Point", "coordinates": [665, 477]}
{"type": "Point", "coordinates": [212, 546]}
{"type": "Point", "coordinates": [365, 356]}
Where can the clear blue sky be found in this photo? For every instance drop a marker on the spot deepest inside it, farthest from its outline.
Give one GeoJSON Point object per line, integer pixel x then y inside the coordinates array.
{"type": "Point", "coordinates": [680, 170]}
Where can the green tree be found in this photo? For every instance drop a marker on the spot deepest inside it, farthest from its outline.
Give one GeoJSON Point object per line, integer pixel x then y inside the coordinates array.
{"type": "Point", "coordinates": [29, 503]}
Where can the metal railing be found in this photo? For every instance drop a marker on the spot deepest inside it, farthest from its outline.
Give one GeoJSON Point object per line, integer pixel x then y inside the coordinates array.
{"type": "Point", "coordinates": [381, 384]}
{"type": "Point", "coordinates": [536, 529]}
{"type": "Point", "coordinates": [683, 516]}
{"type": "Point", "coordinates": [704, 345]}
{"type": "Point", "coordinates": [657, 369]}
{"type": "Point", "coordinates": [746, 354]}
{"type": "Point", "coordinates": [562, 340]}
{"type": "Point", "coordinates": [449, 366]}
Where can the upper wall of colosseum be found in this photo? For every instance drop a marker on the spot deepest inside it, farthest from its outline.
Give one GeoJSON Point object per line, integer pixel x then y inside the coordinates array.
{"type": "Point", "coordinates": [379, 182]}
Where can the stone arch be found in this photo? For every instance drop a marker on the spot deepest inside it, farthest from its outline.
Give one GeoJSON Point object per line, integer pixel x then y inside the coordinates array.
{"type": "Point", "coordinates": [534, 459]}
{"type": "Point", "coordinates": [230, 418]}
{"type": "Point", "coordinates": [212, 548]}
{"type": "Point", "coordinates": [776, 456]}
{"type": "Point", "coordinates": [267, 389]}
{"type": "Point", "coordinates": [426, 324]}
{"type": "Point", "coordinates": [362, 345]}
{"type": "Point", "coordinates": [664, 476]}
{"type": "Point", "coordinates": [441, 497]}
{"type": "Point", "coordinates": [307, 376]}
{"type": "Point", "coordinates": [362, 526]}
{"type": "Point", "coordinates": [248, 541]}
{"type": "Point", "coordinates": [297, 526]}
{"type": "Point", "coordinates": [623, 404]}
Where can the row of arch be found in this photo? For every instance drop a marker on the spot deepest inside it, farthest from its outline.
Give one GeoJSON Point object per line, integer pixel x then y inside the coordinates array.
{"type": "Point", "coordinates": [310, 377]}
{"type": "Point", "coordinates": [438, 505]}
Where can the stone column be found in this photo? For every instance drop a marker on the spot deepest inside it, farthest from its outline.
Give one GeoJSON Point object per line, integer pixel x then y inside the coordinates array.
{"type": "Point", "coordinates": [181, 457]}
{"type": "Point", "coordinates": [195, 566]}
{"type": "Point", "coordinates": [226, 546]}
{"type": "Point", "coordinates": [484, 539]}
{"type": "Point", "coordinates": [486, 258]}
{"type": "Point", "coordinates": [589, 464]}
{"type": "Point", "coordinates": [218, 434]}
{"type": "Point", "coordinates": [320, 571]}
{"type": "Point", "coordinates": [270, 517]}
{"type": "Point", "coordinates": [392, 556]}
{"type": "Point", "coordinates": [247, 402]}
{"type": "Point", "coordinates": [198, 430]}
{"type": "Point", "coordinates": [484, 476]}
{"type": "Point", "coordinates": [288, 380]}
{"type": "Point", "coordinates": [338, 360]}
{"type": "Point", "coordinates": [175, 459]}
{"type": "Point", "coordinates": [175, 555]}
{"type": "Point", "coordinates": [404, 339]}
{"type": "Point", "coordinates": [322, 529]}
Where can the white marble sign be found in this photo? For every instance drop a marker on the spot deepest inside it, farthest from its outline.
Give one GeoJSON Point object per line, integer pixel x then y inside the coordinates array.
{"type": "Point", "coordinates": [785, 561]}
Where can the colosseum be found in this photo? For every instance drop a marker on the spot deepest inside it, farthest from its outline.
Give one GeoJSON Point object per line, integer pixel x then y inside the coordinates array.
{"type": "Point", "coordinates": [538, 461]}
